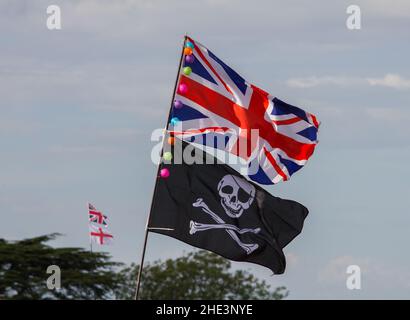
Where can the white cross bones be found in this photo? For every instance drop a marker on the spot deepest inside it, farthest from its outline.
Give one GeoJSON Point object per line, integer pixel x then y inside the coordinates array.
{"type": "Point", "coordinates": [196, 226]}
{"type": "Point", "coordinates": [230, 229]}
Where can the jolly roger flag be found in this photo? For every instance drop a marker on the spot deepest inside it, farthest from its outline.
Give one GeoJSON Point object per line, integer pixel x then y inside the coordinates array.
{"type": "Point", "coordinates": [213, 207]}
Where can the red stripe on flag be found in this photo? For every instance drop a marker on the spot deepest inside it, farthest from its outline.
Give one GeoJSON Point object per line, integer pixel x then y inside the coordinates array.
{"type": "Point", "coordinates": [314, 119]}
{"type": "Point", "coordinates": [273, 162]}
{"type": "Point", "coordinates": [286, 122]}
{"type": "Point", "coordinates": [193, 131]}
{"type": "Point", "coordinates": [245, 119]}
{"type": "Point", "coordinates": [101, 235]}
{"type": "Point", "coordinates": [198, 50]}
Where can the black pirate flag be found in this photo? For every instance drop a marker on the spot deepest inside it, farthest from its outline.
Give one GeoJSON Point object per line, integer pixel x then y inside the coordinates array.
{"type": "Point", "coordinates": [213, 207]}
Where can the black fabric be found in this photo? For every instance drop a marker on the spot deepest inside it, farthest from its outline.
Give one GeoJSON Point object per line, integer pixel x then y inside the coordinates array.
{"type": "Point", "coordinates": [279, 220]}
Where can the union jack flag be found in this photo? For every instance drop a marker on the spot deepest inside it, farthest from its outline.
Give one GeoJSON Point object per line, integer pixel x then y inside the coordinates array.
{"type": "Point", "coordinates": [96, 216]}
{"type": "Point", "coordinates": [219, 108]}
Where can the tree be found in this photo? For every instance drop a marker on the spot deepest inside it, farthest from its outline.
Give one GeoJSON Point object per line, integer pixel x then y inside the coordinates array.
{"type": "Point", "coordinates": [92, 275]}
{"type": "Point", "coordinates": [85, 275]}
{"type": "Point", "coordinates": [197, 275]}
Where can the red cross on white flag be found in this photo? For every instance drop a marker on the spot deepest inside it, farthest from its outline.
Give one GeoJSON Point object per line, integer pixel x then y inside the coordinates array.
{"type": "Point", "coordinates": [100, 235]}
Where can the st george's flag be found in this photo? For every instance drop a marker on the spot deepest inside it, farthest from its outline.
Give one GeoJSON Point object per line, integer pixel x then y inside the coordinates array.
{"type": "Point", "coordinates": [100, 235]}
{"type": "Point", "coordinates": [213, 207]}
{"type": "Point", "coordinates": [218, 108]}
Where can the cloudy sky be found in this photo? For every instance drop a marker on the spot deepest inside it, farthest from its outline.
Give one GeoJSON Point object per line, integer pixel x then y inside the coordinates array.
{"type": "Point", "coordinates": [78, 106]}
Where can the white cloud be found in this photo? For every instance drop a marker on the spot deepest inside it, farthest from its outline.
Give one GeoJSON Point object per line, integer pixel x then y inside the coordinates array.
{"type": "Point", "coordinates": [314, 81]}
{"type": "Point", "coordinates": [390, 80]}
{"type": "Point", "coordinates": [335, 271]}
{"type": "Point", "coordinates": [386, 114]}
{"type": "Point", "coordinates": [377, 276]}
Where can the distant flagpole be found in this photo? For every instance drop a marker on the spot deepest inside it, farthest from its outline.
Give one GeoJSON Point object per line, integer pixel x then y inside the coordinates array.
{"type": "Point", "coordinates": [91, 241]}
{"type": "Point", "coordinates": [89, 236]}
{"type": "Point", "coordinates": [139, 276]}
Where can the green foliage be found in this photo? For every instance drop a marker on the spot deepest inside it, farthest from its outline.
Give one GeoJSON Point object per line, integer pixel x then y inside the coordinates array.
{"type": "Point", "coordinates": [197, 275]}
{"type": "Point", "coordinates": [86, 275]}
{"type": "Point", "coordinates": [23, 266]}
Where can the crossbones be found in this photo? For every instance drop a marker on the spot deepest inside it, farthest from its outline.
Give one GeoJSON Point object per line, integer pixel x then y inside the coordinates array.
{"type": "Point", "coordinates": [230, 229]}
{"type": "Point", "coordinates": [195, 226]}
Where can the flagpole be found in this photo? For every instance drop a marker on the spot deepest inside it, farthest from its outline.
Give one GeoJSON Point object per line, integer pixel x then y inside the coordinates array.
{"type": "Point", "coordinates": [89, 235]}
{"type": "Point", "coordinates": [139, 276]}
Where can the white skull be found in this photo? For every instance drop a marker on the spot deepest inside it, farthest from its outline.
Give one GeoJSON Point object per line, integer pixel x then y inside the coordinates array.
{"type": "Point", "coordinates": [237, 195]}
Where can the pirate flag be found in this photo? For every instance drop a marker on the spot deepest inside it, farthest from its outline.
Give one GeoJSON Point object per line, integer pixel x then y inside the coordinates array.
{"type": "Point", "coordinates": [213, 207]}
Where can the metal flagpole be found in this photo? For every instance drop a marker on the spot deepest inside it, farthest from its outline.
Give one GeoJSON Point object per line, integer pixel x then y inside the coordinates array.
{"type": "Point", "coordinates": [139, 276]}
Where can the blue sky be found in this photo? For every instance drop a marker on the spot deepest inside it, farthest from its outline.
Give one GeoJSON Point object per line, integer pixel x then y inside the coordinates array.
{"type": "Point", "coordinates": [78, 107]}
